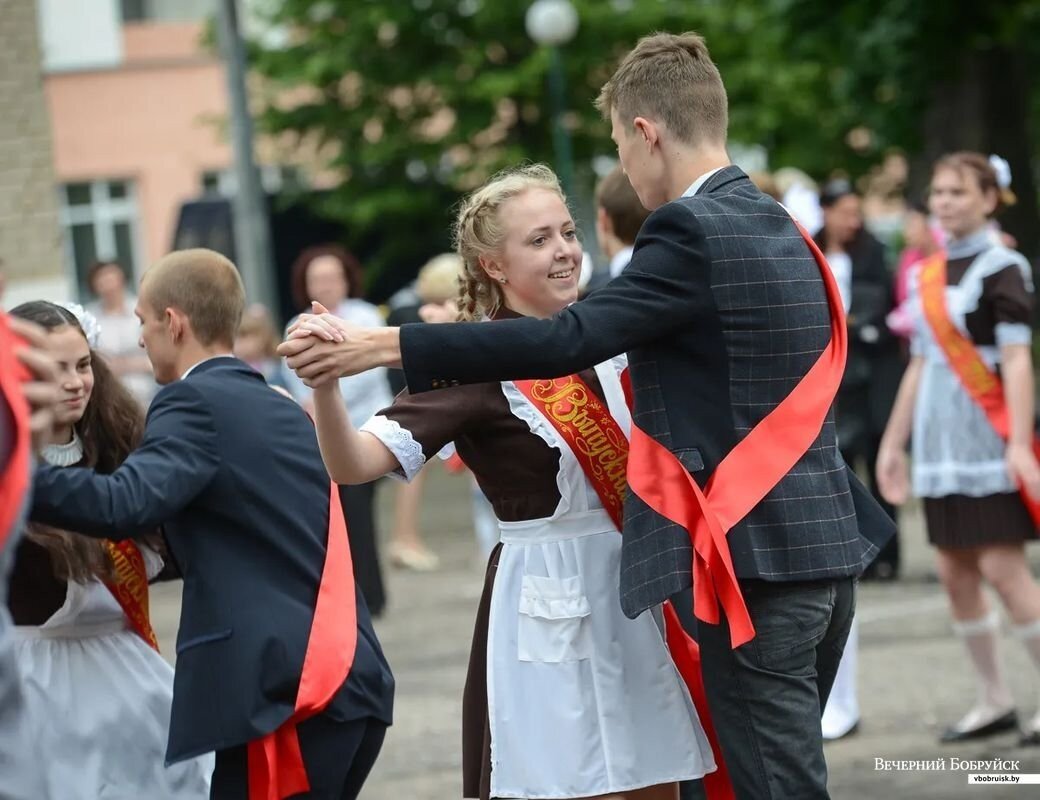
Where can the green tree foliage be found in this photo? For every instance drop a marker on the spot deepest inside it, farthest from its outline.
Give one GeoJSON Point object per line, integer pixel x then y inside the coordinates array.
{"type": "Point", "coordinates": [419, 100]}
{"type": "Point", "coordinates": [928, 77]}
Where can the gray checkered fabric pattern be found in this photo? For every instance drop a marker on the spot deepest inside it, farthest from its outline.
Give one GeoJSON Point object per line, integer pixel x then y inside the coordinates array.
{"type": "Point", "coordinates": [773, 314]}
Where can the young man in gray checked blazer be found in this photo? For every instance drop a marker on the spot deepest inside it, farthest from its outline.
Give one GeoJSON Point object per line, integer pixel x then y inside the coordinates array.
{"type": "Point", "coordinates": [722, 312]}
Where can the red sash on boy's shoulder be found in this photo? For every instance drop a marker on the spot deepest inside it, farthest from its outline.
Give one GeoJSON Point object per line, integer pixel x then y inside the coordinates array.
{"type": "Point", "coordinates": [745, 476]}
{"type": "Point", "coordinates": [276, 768]}
{"type": "Point", "coordinates": [981, 383]}
{"type": "Point", "coordinates": [130, 587]}
{"type": "Point", "coordinates": [14, 475]}
{"type": "Point", "coordinates": [602, 449]}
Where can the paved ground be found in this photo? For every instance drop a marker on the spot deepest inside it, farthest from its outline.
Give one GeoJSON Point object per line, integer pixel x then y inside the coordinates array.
{"type": "Point", "coordinates": [912, 678]}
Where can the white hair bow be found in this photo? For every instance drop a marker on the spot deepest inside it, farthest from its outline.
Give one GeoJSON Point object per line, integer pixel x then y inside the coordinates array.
{"type": "Point", "coordinates": [1003, 170]}
{"type": "Point", "coordinates": [87, 321]}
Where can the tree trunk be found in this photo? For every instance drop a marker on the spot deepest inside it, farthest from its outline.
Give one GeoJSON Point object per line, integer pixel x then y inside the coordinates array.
{"type": "Point", "coordinates": [1007, 114]}
{"type": "Point", "coordinates": [985, 108]}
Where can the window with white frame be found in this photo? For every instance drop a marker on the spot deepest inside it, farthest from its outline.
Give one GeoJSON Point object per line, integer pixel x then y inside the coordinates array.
{"type": "Point", "coordinates": [99, 220]}
{"type": "Point", "coordinates": [273, 179]}
{"type": "Point", "coordinates": [167, 10]}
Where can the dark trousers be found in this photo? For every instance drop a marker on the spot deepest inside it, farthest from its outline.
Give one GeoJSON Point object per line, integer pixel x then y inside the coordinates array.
{"type": "Point", "coordinates": [767, 696]}
{"type": "Point", "coordinates": [338, 757]}
{"type": "Point", "coordinates": [359, 510]}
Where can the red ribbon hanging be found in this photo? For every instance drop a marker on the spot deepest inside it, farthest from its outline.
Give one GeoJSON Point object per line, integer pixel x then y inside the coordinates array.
{"type": "Point", "coordinates": [744, 477]}
{"type": "Point", "coordinates": [276, 768]}
{"type": "Point", "coordinates": [14, 477]}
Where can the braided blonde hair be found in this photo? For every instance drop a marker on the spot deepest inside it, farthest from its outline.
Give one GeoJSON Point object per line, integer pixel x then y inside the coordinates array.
{"type": "Point", "coordinates": [479, 232]}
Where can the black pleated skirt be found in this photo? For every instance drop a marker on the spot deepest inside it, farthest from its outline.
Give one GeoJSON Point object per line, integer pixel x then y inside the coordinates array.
{"type": "Point", "coordinates": [957, 521]}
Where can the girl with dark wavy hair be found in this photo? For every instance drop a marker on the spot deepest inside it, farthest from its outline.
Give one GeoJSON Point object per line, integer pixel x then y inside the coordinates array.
{"type": "Point", "coordinates": [97, 690]}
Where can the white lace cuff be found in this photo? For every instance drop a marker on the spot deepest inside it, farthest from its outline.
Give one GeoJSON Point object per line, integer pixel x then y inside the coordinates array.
{"type": "Point", "coordinates": [399, 441]}
{"type": "Point", "coordinates": [1013, 333]}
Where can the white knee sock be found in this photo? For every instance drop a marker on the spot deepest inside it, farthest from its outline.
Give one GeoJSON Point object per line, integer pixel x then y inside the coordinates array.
{"type": "Point", "coordinates": [980, 637]}
{"type": "Point", "coordinates": [842, 710]}
{"type": "Point", "coordinates": [1029, 634]}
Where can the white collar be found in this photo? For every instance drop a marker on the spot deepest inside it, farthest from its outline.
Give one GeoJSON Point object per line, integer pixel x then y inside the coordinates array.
{"type": "Point", "coordinates": [191, 369]}
{"type": "Point", "coordinates": [64, 455]}
{"type": "Point", "coordinates": [703, 179]}
{"type": "Point", "coordinates": [620, 260]}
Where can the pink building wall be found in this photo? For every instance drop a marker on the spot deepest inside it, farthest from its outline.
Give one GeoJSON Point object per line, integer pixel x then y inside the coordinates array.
{"type": "Point", "coordinates": [157, 120]}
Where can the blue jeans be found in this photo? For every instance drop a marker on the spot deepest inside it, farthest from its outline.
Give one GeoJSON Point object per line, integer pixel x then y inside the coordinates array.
{"type": "Point", "coordinates": [767, 696]}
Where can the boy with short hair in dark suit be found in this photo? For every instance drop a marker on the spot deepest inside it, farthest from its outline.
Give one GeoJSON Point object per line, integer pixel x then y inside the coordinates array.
{"type": "Point", "coordinates": [290, 688]}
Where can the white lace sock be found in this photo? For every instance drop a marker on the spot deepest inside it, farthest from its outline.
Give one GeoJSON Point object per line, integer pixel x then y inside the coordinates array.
{"type": "Point", "coordinates": [1029, 634]}
{"type": "Point", "coordinates": [993, 699]}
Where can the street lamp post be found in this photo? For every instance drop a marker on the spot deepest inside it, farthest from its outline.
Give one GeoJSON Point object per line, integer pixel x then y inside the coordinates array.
{"type": "Point", "coordinates": [553, 23]}
{"type": "Point", "coordinates": [252, 233]}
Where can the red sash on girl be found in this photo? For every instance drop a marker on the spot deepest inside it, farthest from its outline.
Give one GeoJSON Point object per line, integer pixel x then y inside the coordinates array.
{"type": "Point", "coordinates": [601, 448]}
{"type": "Point", "coordinates": [979, 381]}
{"type": "Point", "coordinates": [744, 477]}
{"type": "Point", "coordinates": [130, 588]}
{"type": "Point", "coordinates": [14, 475]}
{"type": "Point", "coordinates": [276, 768]}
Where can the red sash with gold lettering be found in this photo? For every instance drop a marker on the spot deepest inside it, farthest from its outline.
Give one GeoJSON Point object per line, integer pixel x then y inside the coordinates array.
{"type": "Point", "coordinates": [601, 447]}
{"type": "Point", "coordinates": [275, 762]}
{"type": "Point", "coordinates": [14, 475]}
{"type": "Point", "coordinates": [745, 476]}
{"type": "Point", "coordinates": [130, 587]}
{"type": "Point", "coordinates": [979, 381]}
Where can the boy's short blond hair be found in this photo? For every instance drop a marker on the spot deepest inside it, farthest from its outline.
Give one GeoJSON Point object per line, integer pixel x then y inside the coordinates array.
{"type": "Point", "coordinates": [202, 284]}
{"type": "Point", "coordinates": [670, 78]}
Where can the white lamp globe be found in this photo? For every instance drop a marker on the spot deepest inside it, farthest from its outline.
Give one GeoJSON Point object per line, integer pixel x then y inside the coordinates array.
{"type": "Point", "coordinates": [551, 22]}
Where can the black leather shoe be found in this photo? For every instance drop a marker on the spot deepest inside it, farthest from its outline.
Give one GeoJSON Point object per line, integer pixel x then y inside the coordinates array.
{"type": "Point", "coordinates": [999, 725]}
{"type": "Point", "coordinates": [1031, 739]}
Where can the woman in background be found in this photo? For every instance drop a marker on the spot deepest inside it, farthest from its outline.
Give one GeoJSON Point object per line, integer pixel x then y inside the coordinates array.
{"type": "Point", "coordinates": [329, 275]}
{"type": "Point", "coordinates": [119, 329]}
{"type": "Point", "coordinates": [874, 364]}
{"type": "Point", "coordinates": [436, 287]}
{"type": "Point", "coordinates": [972, 308]}
{"type": "Point", "coordinates": [920, 241]}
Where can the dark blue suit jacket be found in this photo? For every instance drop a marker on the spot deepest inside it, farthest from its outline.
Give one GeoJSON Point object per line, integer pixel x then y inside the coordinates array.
{"type": "Point", "coordinates": [232, 471]}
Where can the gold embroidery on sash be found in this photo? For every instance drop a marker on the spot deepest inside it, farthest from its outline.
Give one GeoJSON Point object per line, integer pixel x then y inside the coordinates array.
{"type": "Point", "coordinates": [587, 425]}
{"type": "Point", "coordinates": [130, 587]}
